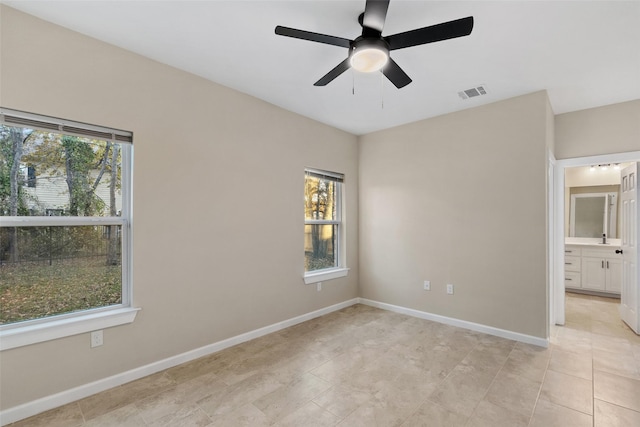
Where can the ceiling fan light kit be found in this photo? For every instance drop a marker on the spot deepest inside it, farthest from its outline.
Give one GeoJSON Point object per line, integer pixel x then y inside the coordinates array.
{"type": "Point", "coordinates": [370, 51]}
{"type": "Point", "coordinates": [368, 56]}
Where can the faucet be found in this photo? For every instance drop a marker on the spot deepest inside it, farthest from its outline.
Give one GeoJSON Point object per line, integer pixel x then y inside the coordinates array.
{"type": "Point", "coordinates": [604, 238]}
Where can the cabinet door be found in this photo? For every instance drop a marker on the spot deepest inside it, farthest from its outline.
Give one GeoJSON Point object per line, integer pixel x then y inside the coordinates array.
{"type": "Point", "coordinates": [593, 273]}
{"type": "Point", "coordinates": [614, 274]}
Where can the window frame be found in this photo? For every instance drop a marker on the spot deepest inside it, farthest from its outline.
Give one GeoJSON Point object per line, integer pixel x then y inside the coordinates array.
{"type": "Point", "coordinates": [339, 270]}
{"type": "Point", "coordinates": [33, 331]}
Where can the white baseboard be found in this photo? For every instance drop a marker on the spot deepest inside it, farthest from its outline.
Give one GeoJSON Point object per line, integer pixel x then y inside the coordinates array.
{"type": "Point", "coordinates": [35, 407]}
{"type": "Point", "coordinates": [490, 330]}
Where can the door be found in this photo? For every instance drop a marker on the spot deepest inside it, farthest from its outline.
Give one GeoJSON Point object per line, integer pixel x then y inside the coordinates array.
{"type": "Point", "coordinates": [629, 203]}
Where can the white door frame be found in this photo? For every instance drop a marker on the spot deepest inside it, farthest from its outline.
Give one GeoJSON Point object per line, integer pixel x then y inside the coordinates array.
{"type": "Point", "coordinates": [556, 245]}
{"type": "Point", "coordinates": [552, 170]}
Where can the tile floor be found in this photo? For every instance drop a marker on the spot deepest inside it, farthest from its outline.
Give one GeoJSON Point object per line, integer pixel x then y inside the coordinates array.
{"type": "Point", "coordinates": [367, 367]}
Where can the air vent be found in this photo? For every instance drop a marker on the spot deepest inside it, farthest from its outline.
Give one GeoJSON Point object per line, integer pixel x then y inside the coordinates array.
{"type": "Point", "coordinates": [473, 92]}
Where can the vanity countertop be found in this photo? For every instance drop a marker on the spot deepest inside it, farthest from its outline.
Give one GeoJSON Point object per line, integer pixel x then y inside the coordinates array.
{"type": "Point", "coordinates": [582, 241]}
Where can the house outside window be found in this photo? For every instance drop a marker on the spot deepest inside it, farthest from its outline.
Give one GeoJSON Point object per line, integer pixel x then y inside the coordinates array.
{"type": "Point", "coordinates": [323, 225]}
{"type": "Point", "coordinates": [65, 245]}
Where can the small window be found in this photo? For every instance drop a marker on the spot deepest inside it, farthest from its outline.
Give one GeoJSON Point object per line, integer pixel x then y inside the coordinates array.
{"type": "Point", "coordinates": [323, 220]}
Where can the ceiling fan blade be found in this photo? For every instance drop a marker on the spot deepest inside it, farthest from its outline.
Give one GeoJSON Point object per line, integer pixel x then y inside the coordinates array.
{"type": "Point", "coordinates": [339, 69]}
{"type": "Point", "coordinates": [434, 33]}
{"type": "Point", "coordinates": [314, 37]}
{"type": "Point", "coordinates": [395, 74]}
{"type": "Point", "coordinates": [375, 13]}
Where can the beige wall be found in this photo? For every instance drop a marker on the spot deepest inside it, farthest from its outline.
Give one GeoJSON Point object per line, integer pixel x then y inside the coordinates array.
{"type": "Point", "coordinates": [596, 131]}
{"type": "Point", "coordinates": [460, 199]}
{"type": "Point", "coordinates": [218, 248]}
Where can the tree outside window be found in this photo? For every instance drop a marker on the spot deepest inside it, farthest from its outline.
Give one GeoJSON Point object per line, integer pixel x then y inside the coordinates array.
{"type": "Point", "coordinates": [61, 241]}
{"type": "Point", "coordinates": [322, 219]}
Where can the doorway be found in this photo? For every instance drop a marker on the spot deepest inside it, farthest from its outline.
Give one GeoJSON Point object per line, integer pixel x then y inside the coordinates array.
{"type": "Point", "coordinates": [556, 245]}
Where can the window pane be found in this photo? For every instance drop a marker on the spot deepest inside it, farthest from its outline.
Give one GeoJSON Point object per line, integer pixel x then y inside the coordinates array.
{"type": "Point", "coordinates": [46, 271]}
{"type": "Point", "coordinates": [320, 199]}
{"type": "Point", "coordinates": [43, 172]}
{"type": "Point", "coordinates": [320, 244]}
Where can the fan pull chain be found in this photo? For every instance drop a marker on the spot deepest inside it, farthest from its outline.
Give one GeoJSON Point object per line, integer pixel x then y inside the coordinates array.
{"type": "Point", "coordinates": [382, 90]}
{"type": "Point", "coordinates": [353, 82]}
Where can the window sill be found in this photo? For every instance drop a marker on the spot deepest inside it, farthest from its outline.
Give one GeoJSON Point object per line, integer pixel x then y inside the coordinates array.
{"type": "Point", "coordinates": [324, 275]}
{"type": "Point", "coordinates": [20, 336]}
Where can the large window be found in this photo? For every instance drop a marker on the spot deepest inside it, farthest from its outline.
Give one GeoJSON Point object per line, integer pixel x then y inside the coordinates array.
{"type": "Point", "coordinates": [322, 221]}
{"type": "Point", "coordinates": [65, 242]}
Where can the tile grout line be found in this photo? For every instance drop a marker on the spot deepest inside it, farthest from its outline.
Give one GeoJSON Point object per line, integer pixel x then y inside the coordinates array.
{"type": "Point", "coordinates": [592, 415]}
{"type": "Point", "coordinates": [492, 381]}
{"type": "Point", "coordinates": [546, 369]}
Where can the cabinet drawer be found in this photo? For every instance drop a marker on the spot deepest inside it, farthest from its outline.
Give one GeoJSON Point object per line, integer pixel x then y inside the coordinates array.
{"type": "Point", "coordinates": [572, 250]}
{"type": "Point", "coordinates": [572, 279]}
{"type": "Point", "coordinates": [572, 263]}
{"type": "Point", "coordinates": [604, 252]}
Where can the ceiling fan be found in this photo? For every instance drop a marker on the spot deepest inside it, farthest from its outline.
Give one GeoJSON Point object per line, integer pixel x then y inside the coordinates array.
{"type": "Point", "coordinates": [370, 51]}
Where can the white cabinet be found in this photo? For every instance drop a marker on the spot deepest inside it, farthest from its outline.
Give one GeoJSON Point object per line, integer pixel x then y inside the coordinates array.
{"type": "Point", "coordinates": [593, 267]}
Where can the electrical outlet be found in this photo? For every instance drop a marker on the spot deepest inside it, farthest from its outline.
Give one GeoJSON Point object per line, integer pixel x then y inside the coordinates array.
{"type": "Point", "coordinates": [450, 289]}
{"type": "Point", "coordinates": [427, 285]}
{"type": "Point", "coordinates": [96, 338]}
{"type": "Point", "coordinates": [319, 286]}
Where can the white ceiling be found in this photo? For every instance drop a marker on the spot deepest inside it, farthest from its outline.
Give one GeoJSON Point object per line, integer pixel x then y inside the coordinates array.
{"type": "Point", "coordinates": [584, 53]}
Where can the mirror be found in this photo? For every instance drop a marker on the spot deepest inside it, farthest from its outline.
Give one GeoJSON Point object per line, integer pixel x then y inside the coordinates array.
{"type": "Point", "coordinates": [594, 214]}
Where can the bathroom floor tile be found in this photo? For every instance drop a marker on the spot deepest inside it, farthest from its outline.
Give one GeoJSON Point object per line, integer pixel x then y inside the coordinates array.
{"type": "Point", "coordinates": [515, 393]}
{"type": "Point", "coordinates": [608, 415]}
{"type": "Point", "coordinates": [549, 414]}
{"type": "Point", "coordinates": [616, 389]}
{"type": "Point", "coordinates": [577, 365]}
{"type": "Point", "coordinates": [616, 362]}
{"type": "Point", "coordinates": [569, 391]}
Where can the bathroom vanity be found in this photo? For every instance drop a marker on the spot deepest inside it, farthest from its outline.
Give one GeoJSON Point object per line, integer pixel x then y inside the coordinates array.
{"type": "Point", "coordinates": [592, 266]}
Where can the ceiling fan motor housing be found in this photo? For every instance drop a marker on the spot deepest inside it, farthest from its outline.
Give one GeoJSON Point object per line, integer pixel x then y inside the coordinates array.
{"type": "Point", "coordinates": [368, 43]}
